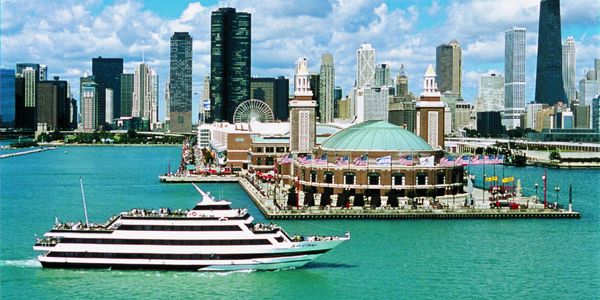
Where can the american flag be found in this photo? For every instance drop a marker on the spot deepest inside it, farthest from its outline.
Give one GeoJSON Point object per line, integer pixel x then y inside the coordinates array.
{"type": "Point", "coordinates": [342, 160]}
{"type": "Point", "coordinates": [322, 160]}
{"type": "Point", "coordinates": [285, 159]}
{"type": "Point", "coordinates": [361, 161]}
{"type": "Point", "coordinates": [306, 159]}
{"type": "Point", "coordinates": [407, 160]}
{"type": "Point", "coordinates": [447, 161]}
{"type": "Point", "coordinates": [476, 159]}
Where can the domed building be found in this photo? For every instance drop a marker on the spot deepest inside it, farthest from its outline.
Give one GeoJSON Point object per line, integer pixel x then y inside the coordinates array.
{"type": "Point", "coordinates": [374, 163]}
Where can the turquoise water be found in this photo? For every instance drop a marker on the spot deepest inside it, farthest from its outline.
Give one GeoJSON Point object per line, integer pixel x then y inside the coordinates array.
{"type": "Point", "coordinates": [385, 258]}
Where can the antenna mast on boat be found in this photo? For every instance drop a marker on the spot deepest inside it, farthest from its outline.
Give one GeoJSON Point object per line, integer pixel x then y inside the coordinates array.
{"type": "Point", "coordinates": [83, 198]}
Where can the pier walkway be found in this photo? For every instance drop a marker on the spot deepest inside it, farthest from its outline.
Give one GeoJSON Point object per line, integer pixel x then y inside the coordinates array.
{"type": "Point", "coordinates": [198, 178]}
{"type": "Point", "coordinates": [7, 155]}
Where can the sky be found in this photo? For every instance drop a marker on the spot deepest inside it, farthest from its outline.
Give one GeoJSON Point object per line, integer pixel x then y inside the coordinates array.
{"type": "Point", "coordinates": [66, 35]}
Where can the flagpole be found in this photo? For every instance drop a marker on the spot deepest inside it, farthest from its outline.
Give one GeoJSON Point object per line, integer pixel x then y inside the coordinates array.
{"type": "Point", "coordinates": [367, 191]}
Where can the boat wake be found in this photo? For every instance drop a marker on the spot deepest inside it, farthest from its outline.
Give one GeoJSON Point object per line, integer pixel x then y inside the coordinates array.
{"type": "Point", "coordinates": [233, 272]}
{"type": "Point", "coordinates": [22, 263]}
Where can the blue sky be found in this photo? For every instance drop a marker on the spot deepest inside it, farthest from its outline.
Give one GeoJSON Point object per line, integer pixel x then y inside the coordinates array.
{"type": "Point", "coordinates": [65, 35]}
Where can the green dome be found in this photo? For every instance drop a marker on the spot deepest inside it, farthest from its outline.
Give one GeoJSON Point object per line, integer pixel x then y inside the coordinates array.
{"type": "Point", "coordinates": [375, 136]}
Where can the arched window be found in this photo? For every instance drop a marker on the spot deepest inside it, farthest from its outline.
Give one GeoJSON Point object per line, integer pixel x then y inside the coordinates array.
{"type": "Point", "coordinates": [349, 178]}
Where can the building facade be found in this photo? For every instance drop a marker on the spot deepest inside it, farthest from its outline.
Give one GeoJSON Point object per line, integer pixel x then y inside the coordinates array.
{"type": "Point", "coordinates": [569, 68]}
{"type": "Point", "coordinates": [365, 65]}
{"type": "Point", "coordinates": [430, 121]}
{"type": "Point", "coordinates": [587, 91]}
{"type": "Point", "coordinates": [491, 91]}
{"type": "Point", "coordinates": [326, 88]}
{"type": "Point", "coordinates": [126, 91]}
{"type": "Point", "coordinates": [514, 72]}
{"type": "Point", "coordinates": [549, 86]}
{"type": "Point", "coordinates": [52, 109]}
{"type": "Point", "coordinates": [274, 92]}
{"type": "Point", "coordinates": [107, 71]}
{"type": "Point", "coordinates": [382, 76]}
{"type": "Point", "coordinates": [401, 82]}
{"type": "Point", "coordinates": [89, 103]}
{"type": "Point", "coordinates": [229, 62]}
{"type": "Point", "coordinates": [7, 102]}
{"type": "Point", "coordinates": [448, 67]}
{"type": "Point", "coordinates": [303, 128]}
{"type": "Point", "coordinates": [180, 75]}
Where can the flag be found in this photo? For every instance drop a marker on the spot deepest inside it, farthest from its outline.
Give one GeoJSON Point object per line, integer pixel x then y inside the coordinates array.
{"type": "Point", "coordinates": [447, 161]}
{"type": "Point", "coordinates": [476, 159]}
{"type": "Point", "coordinates": [407, 160]}
{"type": "Point", "coordinates": [361, 161]}
{"type": "Point", "coordinates": [384, 160]}
{"type": "Point", "coordinates": [306, 159]}
{"type": "Point", "coordinates": [285, 159]}
{"type": "Point", "coordinates": [499, 159]}
{"type": "Point", "coordinates": [322, 160]}
{"type": "Point", "coordinates": [342, 160]}
{"type": "Point", "coordinates": [426, 161]}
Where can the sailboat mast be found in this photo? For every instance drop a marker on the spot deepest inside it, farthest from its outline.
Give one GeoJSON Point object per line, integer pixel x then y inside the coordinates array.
{"type": "Point", "coordinates": [83, 198]}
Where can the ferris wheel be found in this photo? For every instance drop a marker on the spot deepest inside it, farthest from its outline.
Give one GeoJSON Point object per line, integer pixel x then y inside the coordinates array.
{"type": "Point", "coordinates": [253, 111]}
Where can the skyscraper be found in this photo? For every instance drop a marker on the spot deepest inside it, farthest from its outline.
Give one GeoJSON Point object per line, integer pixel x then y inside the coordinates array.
{"type": "Point", "coordinates": [365, 65]}
{"type": "Point", "coordinates": [53, 107]}
{"type": "Point", "coordinates": [401, 82]}
{"type": "Point", "coordinates": [7, 94]}
{"type": "Point", "coordinates": [514, 76]}
{"type": "Point", "coordinates": [327, 84]}
{"type": "Point", "coordinates": [229, 62]}
{"type": "Point", "coordinates": [180, 89]}
{"type": "Point", "coordinates": [43, 75]}
{"type": "Point", "coordinates": [491, 92]}
{"type": "Point", "coordinates": [274, 92]}
{"type": "Point", "coordinates": [126, 83]}
{"type": "Point", "coordinates": [382, 76]}
{"type": "Point", "coordinates": [448, 67]}
{"type": "Point", "coordinates": [110, 100]}
{"type": "Point", "coordinates": [568, 69]}
{"type": "Point", "coordinates": [89, 103]}
{"type": "Point", "coordinates": [154, 100]}
{"type": "Point", "coordinates": [107, 71]}
{"type": "Point", "coordinates": [142, 92]}
{"type": "Point", "coordinates": [549, 87]}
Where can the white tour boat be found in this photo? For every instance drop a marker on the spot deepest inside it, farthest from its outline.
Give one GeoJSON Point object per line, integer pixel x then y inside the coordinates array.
{"type": "Point", "coordinates": [210, 237]}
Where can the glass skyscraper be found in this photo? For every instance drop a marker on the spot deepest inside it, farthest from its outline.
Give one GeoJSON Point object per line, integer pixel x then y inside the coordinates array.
{"type": "Point", "coordinates": [107, 72]}
{"type": "Point", "coordinates": [549, 87]}
{"type": "Point", "coordinates": [126, 83]}
{"type": "Point", "coordinates": [7, 92]}
{"type": "Point", "coordinates": [448, 67]}
{"type": "Point", "coordinates": [180, 93]}
{"type": "Point", "coordinates": [229, 62]}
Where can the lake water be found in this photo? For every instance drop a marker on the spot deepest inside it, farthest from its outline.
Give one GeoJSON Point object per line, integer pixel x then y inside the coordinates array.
{"type": "Point", "coordinates": [385, 259]}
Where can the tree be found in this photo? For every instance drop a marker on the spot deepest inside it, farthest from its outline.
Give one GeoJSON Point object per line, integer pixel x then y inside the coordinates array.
{"type": "Point", "coordinates": [411, 194]}
{"type": "Point", "coordinates": [432, 193]}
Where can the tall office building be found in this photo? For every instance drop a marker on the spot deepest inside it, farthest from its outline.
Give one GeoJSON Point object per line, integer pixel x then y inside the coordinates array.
{"type": "Point", "coordinates": [7, 100]}
{"type": "Point", "coordinates": [229, 62]}
{"type": "Point", "coordinates": [180, 89]}
{"type": "Point", "coordinates": [491, 92]}
{"type": "Point", "coordinates": [448, 67]}
{"type": "Point", "coordinates": [43, 73]}
{"type": "Point", "coordinates": [142, 92]}
{"type": "Point", "coordinates": [549, 87]}
{"type": "Point", "coordinates": [365, 65]}
{"type": "Point", "coordinates": [514, 76]}
{"type": "Point", "coordinates": [597, 71]}
{"type": "Point", "coordinates": [154, 100]}
{"type": "Point", "coordinates": [274, 92]}
{"type": "Point", "coordinates": [53, 107]}
{"type": "Point", "coordinates": [568, 69]}
{"type": "Point", "coordinates": [401, 82]}
{"type": "Point", "coordinates": [167, 126]}
{"type": "Point", "coordinates": [371, 103]}
{"type": "Point", "coordinates": [23, 66]}
{"type": "Point", "coordinates": [107, 71]}
{"type": "Point", "coordinates": [126, 91]}
{"type": "Point", "coordinates": [89, 94]}
{"type": "Point", "coordinates": [587, 90]}
{"type": "Point", "coordinates": [596, 113]}
{"type": "Point", "coordinates": [110, 100]}
{"type": "Point", "coordinates": [382, 76]}
{"type": "Point", "coordinates": [326, 89]}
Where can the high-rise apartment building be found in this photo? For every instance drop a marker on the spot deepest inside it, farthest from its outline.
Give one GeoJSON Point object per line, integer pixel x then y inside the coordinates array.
{"type": "Point", "coordinates": [549, 87]}
{"type": "Point", "coordinates": [107, 72]}
{"type": "Point", "coordinates": [514, 76]}
{"type": "Point", "coordinates": [180, 88]}
{"type": "Point", "coordinates": [491, 92]}
{"type": "Point", "coordinates": [7, 100]}
{"type": "Point", "coordinates": [154, 101]}
{"type": "Point", "coordinates": [371, 103]}
{"type": "Point", "coordinates": [569, 68]}
{"type": "Point", "coordinates": [532, 110]}
{"type": "Point", "coordinates": [365, 65]}
{"type": "Point", "coordinates": [326, 88]}
{"type": "Point", "coordinates": [126, 91]}
{"type": "Point", "coordinates": [229, 62]}
{"type": "Point", "coordinates": [448, 67]}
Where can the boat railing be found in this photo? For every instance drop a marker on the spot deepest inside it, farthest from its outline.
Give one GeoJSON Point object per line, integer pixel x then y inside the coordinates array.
{"type": "Point", "coordinates": [265, 228]}
{"type": "Point", "coordinates": [314, 238]}
{"type": "Point", "coordinates": [47, 241]}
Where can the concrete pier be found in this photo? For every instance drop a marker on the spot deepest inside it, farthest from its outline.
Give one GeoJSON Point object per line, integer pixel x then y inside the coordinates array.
{"type": "Point", "coordinates": [198, 178]}
{"type": "Point", "coordinates": [26, 152]}
{"type": "Point", "coordinates": [266, 204]}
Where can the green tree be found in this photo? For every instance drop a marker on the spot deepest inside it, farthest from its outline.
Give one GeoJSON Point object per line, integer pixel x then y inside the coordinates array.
{"type": "Point", "coordinates": [554, 155]}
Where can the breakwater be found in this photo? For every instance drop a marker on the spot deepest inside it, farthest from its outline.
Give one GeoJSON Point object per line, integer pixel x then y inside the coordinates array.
{"type": "Point", "coordinates": [26, 152]}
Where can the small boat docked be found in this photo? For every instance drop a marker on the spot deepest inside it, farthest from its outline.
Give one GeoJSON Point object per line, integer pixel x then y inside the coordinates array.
{"type": "Point", "coordinates": [210, 237]}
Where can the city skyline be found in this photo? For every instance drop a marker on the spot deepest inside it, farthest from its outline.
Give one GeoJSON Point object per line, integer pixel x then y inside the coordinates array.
{"type": "Point", "coordinates": [401, 34]}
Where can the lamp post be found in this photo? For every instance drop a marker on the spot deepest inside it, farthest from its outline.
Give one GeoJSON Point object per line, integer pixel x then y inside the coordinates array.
{"type": "Point", "coordinates": [536, 192]}
{"type": "Point", "coordinates": [556, 189]}
{"type": "Point", "coordinates": [448, 191]}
